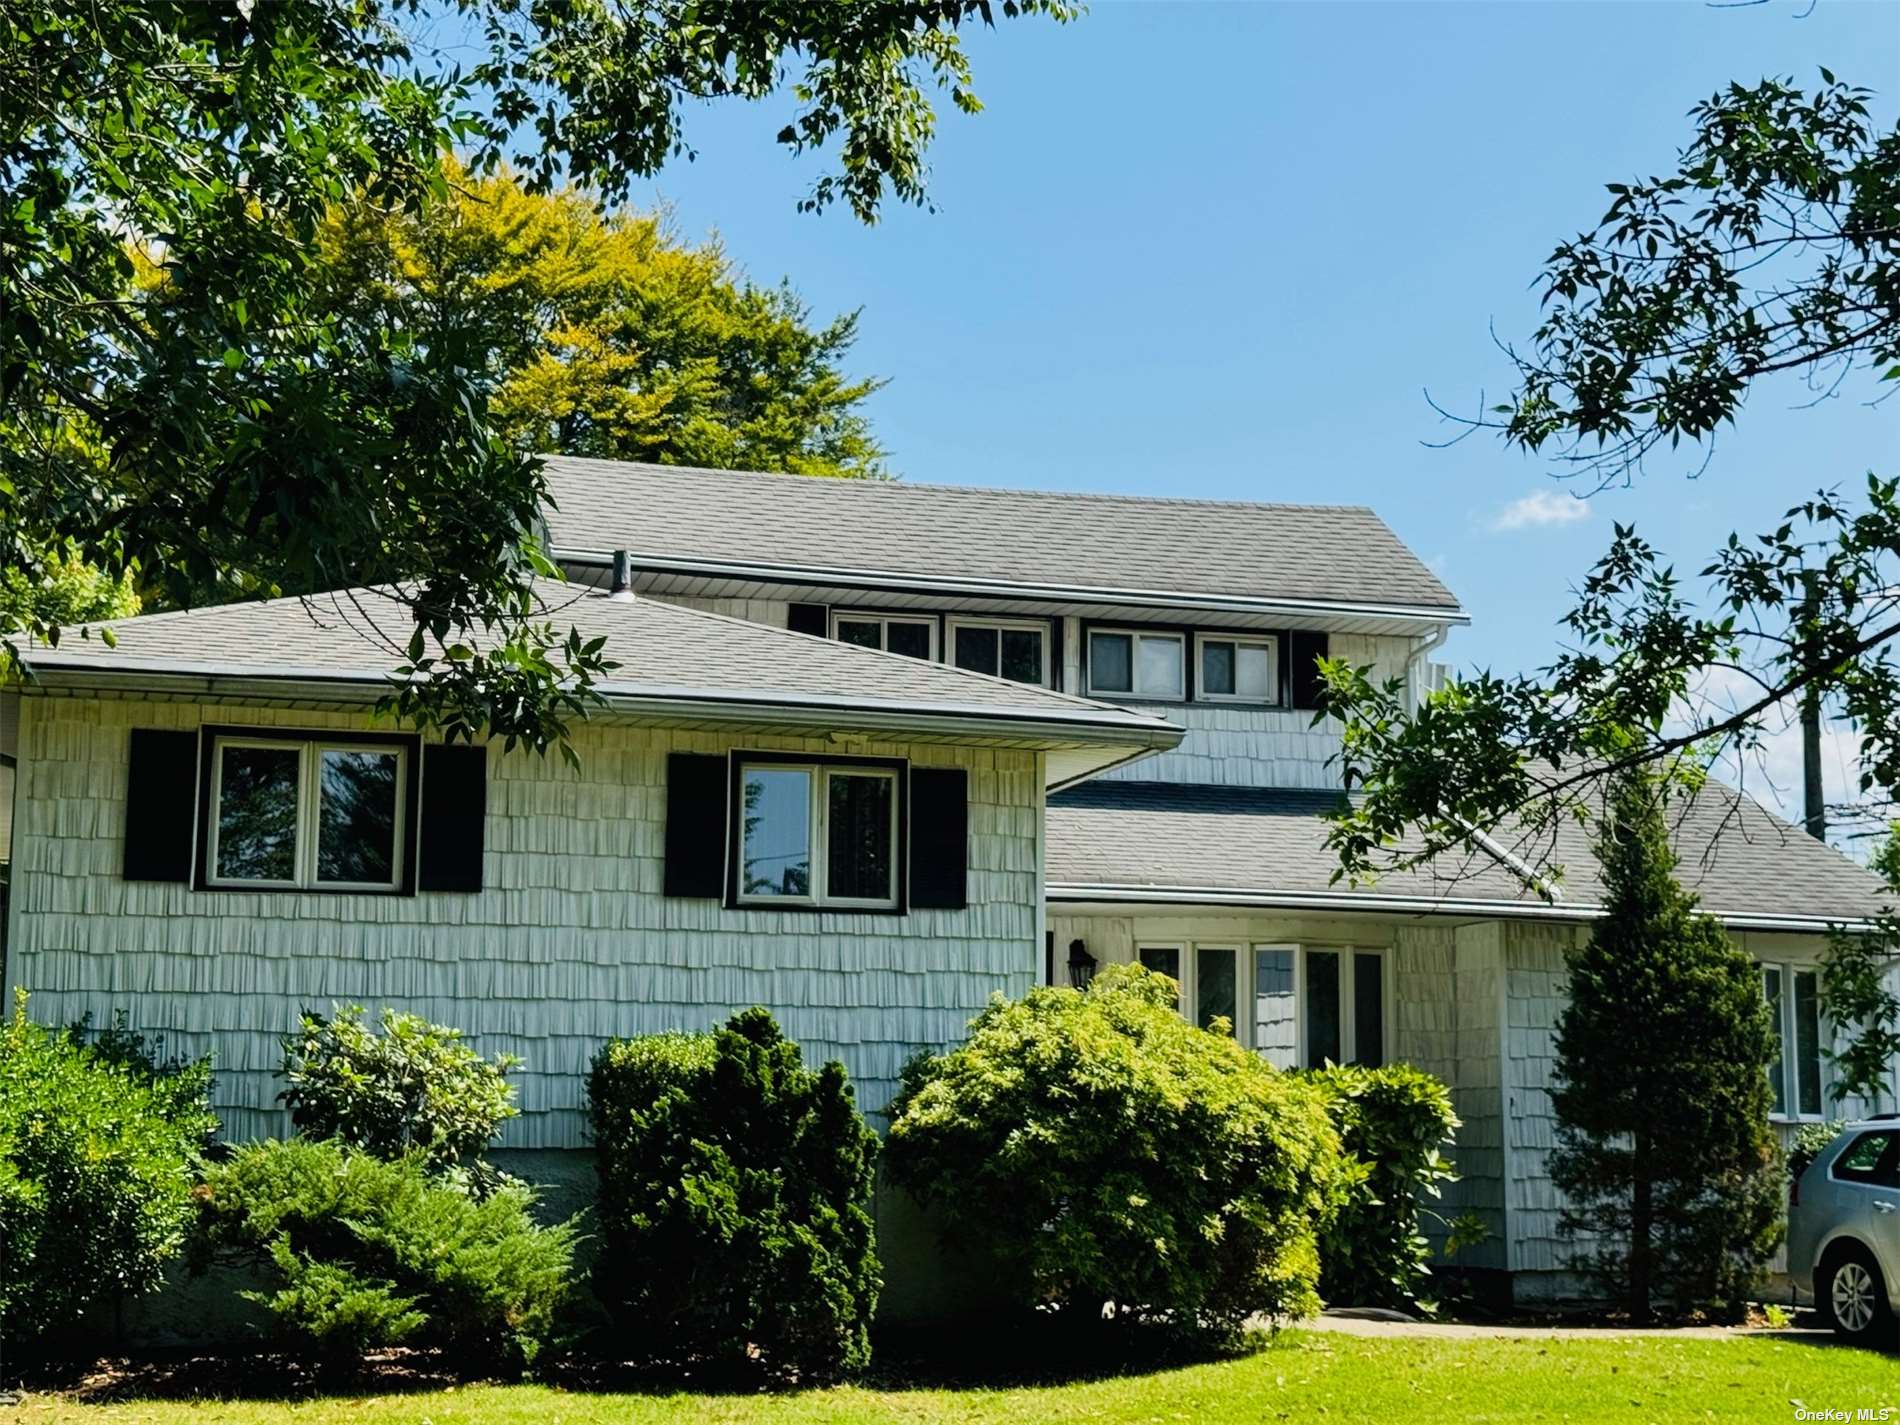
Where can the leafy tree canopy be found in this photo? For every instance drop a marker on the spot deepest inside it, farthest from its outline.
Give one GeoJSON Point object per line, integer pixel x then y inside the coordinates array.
{"type": "Point", "coordinates": [213, 424]}
{"type": "Point", "coordinates": [1774, 247]}
{"type": "Point", "coordinates": [605, 334]}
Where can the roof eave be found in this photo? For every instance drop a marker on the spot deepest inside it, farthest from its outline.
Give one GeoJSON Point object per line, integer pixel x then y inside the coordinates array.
{"type": "Point", "coordinates": [886, 580]}
{"type": "Point", "coordinates": [1361, 902]}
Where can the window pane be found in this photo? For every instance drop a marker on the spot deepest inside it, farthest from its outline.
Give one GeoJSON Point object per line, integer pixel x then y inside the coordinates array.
{"type": "Point", "coordinates": [356, 816]}
{"type": "Point", "coordinates": [1368, 1009]}
{"type": "Point", "coordinates": [1215, 986]}
{"type": "Point", "coordinates": [1255, 676]}
{"type": "Point", "coordinates": [1217, 669]}
{"type": "Point", "coordinates": [910, 639]}
{"type": "Point", "coordinates": [1022, 654]}
{"type": "Point", "coordinates": [976, 649]}
{"type": "Point", "coordinates": [858, 840]}
{"type": "Point", "coordinates": [1778, 1070]}
{"type": "Point", "coordinates": [1111, 667]}
{"type": "Point", "coordinates": [1275, 1030]}
{"type": "Point", "coordinates": [1322, 1008]}
{"type": "Point", "coordinates": [1164, 961]}
{"type": "Point", "coordinates": [1807, 1039]}
{"type": "Point", "coordinates": [775, 858]}
{"type": "Point", "coordinates": [257, 813]}
{"type": "Point", "coordinates": [1160, 672]}
{"type": "Point", "coordinates": [865, 633]}
{"type": "Point", "coordinates": [1861, 1157]}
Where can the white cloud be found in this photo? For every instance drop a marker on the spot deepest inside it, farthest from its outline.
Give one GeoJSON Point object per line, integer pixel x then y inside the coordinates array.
{"type": "Point", "coordinates": [1540, 507]}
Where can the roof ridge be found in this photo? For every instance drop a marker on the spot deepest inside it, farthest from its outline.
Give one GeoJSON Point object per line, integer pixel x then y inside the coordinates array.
{"type": "Point", "coordinates": [1108, 497]}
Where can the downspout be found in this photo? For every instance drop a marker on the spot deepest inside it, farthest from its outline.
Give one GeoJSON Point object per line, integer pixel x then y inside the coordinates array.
{"type": "Point", "coordinates": [1416, 661]}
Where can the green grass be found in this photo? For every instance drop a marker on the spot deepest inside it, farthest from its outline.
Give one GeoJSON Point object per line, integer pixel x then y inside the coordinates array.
{"type": "Point", "coordinates": [1302, 1376]}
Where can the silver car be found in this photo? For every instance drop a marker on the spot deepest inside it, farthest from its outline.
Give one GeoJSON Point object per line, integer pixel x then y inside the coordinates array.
{"type": "Point", "coordinates": [1844, 1231]}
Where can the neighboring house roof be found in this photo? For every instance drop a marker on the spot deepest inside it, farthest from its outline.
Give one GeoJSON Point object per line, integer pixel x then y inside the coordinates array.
{"type": "Point", "coordinates": [672, 659]}
{"type": "Point", "coordinates": [1147, 842]}
{"type": "Point", "coordinates": [800, 529]}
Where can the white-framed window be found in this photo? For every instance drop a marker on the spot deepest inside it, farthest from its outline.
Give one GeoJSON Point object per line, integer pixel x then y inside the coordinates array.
{"type": "Point", "coordinates": [913, 635]}
{"type": "Point", "coordinates": [1132, 663]}
{"type": "Point", "coordinates": [1794, 994]}
{"type": "Point", "coordinates": [1237, 668]}
{"type": "Point", "coordinates": [1295, 1005]}
{"type": "Point", "coordinates": [301, 813]}
{"type": "Point", "coordinates": [1017, 649]}
{"type": "Point", "coordinates": [817, 834]}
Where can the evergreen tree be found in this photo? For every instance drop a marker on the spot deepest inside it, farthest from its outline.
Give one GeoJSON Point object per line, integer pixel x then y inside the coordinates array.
{"type": "Point", "coordinates": [1672, 1176]}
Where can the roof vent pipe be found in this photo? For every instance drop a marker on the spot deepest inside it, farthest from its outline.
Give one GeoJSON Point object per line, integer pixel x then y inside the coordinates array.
{"type": "Point", "coordinates": [623, 576]}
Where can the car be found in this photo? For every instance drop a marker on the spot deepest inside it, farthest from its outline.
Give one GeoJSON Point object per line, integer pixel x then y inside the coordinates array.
{"type": "Point", "coordinates": [1844, 1231]}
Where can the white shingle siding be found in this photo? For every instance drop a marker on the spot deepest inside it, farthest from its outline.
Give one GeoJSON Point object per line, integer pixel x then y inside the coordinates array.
{"type": "Point", "coordinates": [569, 944]}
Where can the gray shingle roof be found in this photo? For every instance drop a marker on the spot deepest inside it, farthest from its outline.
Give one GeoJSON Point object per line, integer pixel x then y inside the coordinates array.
{"type": "Point", "coordinates": [662, 649]}
{"type": "Point", "coordinates": [1322, 554]}
{"type": "Point", "coordinates": [1745, 863]}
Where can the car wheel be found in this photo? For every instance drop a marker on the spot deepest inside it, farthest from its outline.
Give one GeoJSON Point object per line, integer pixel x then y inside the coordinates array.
{"type": "Point", "coordinates": [1853, 1298]}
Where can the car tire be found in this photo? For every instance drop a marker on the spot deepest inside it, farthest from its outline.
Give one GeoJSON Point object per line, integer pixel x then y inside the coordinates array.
{"type": "Point", "coordinates": [1853, 1298]}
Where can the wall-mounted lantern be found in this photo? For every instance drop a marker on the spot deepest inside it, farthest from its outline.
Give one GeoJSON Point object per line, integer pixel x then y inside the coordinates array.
{"type": "Point", "coordinates": [1081, 964]}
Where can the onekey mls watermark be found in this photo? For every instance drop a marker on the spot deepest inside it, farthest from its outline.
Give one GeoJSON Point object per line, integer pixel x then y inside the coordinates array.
{"type": "Point", "coordinates": [1848, 1416]}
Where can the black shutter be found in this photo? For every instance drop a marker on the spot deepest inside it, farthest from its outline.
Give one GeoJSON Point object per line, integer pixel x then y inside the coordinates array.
{"type": "Point", "coordinates": [1055, 656]}
{"type": "Point", "coordinates": [809, 618]}
{"type": "Point", "coordinates": [161, 794]}
{"type": "Point", "coordinates": [454, 815]}
{"type": "Point", "coordinates": [939, 838]}
{"type": "Point", "coordinates": [1309, 689]}
{"type": "Point", "coordinates": [696, 824]}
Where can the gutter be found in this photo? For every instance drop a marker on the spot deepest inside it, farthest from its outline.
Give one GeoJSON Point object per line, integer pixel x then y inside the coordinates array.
{"type": "Point", "coordinates": [1071, 892]}
{"type": "Point", "coordinates": [889, 581]}
{"type": "Point", "coordinates": [1084, 724]}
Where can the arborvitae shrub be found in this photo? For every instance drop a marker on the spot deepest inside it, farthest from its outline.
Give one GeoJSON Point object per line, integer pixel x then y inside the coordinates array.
{"type": "Point", "coordinates": [98, 1154]}
{"type": "Point", "coordinates": [367, 1253]}
{"type": "Point", "coordinates": [1100, 1149]}
{"type": "Point", "coordinates": [734, 1213]}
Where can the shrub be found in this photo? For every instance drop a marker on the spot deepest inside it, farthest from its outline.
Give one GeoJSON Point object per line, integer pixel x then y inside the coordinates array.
{"type": "Point", "coordinates": [1809, 1140]}
{"type": "Point", "coordinates": [367, 1253]}
{"type": "Point", "coordinates": [734, 1194]}
{"type": "Point", "coordinates": [98, 1155]}
{"type": "Point", "coordinates": [1103, 1150]}
{"type": "Point", "coordinates": [1394, 1120]}
{"type": "Point", "coordinates": [413, 1088]}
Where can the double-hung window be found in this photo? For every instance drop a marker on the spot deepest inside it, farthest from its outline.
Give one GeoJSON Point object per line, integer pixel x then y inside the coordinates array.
{"type": "Point", "coordinates": [1133, 664]}
{"type": "Point", "coordinates": [305, 813]}
{"type": "Point", "coordinates": [1794, 994]}
{"type": "Point", "coordinates": [1016, 649]}
{"type": "Point", "coordinates": [818, 834]}
{"type": "Point", "coordinates": [912, 636]}
{"type": "Point", "coordinates": [1295, 1005]}
{"type": "Point", "coordinates": [1237, 668]}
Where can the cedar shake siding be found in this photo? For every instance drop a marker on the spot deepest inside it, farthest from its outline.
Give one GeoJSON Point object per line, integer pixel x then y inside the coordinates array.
{"type": "Point", "coordinates": [567, 941]}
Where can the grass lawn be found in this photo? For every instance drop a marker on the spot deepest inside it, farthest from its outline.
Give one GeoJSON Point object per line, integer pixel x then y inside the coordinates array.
{"type": "Point", "coordinates": [1302, 1376]}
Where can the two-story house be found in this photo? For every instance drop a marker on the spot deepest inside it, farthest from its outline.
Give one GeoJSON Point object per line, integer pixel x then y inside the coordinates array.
{"type": "Point", "coordinates": [876, 751]}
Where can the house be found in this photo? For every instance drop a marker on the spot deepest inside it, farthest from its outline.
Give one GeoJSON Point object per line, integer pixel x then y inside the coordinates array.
{"type": "Point", "coordinates": [877, 751]}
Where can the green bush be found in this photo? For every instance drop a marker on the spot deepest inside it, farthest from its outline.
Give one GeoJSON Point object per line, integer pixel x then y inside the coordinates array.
{"type": "Point", "coordinates": [415, 1088]}
{"type": "Point", "coordinates": [98, 1155]}
{"type": "Point", "coordinates": [1394, 1120]}
{"type": "Point", "coordinates": [734, 1201]}
{"type": "Point", "coordinates": [367, 1253]}
{"type": "Point", "coordinates": [1809, 1140]}
{"type": "Point", "coordinates": [1103, 1150]}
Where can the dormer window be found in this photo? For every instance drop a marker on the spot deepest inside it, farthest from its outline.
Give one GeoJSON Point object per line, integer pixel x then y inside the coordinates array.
{"type": "Point", "coordinates": [1134, 664]}
{"type": "Point", "coordinates": [1017, 649]}
{"type": "Point", "coordinates": [1238, 669]}
{"type": "Point", "coordinates": [912, 636]}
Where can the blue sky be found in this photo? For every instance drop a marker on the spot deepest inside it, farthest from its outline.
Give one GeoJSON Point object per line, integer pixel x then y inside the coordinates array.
{"type": "Point", "coordinates": [1221, 250]}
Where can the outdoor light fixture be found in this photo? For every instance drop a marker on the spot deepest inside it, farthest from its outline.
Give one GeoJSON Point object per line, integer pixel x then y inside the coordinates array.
{"type": "Point", "coordinates": [1081, 964]}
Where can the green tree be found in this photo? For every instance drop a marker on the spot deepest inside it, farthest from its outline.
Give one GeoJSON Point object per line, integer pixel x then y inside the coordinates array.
{"type": "Point", "coordinates": [1672, 1177]}
{"type": "Point", "coordinates": [605, 334]}
{"type": "Point", "coordinates": [1774, 247]}
{"type": "Point", "coordinates": [215, 425]}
